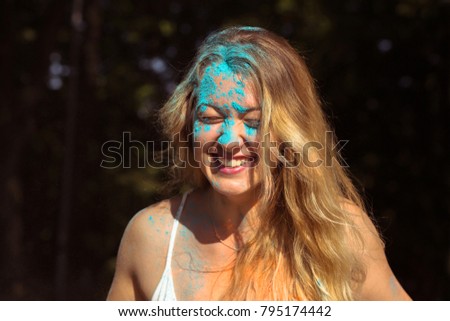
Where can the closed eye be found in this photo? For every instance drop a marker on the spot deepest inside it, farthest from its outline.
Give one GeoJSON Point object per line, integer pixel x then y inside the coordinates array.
{"type": "Point", "coordinates": [253, 123]}
{"type": "Point", "coordinates": [211, 119]}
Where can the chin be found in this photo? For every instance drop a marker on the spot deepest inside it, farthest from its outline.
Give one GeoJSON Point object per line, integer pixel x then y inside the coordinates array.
{"type": "Point", "coordinates": [232, 188]}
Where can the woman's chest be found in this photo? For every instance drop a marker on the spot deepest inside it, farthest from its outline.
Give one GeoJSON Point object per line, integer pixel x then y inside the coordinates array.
{"type": "Point", "coordinates": [201, 275]}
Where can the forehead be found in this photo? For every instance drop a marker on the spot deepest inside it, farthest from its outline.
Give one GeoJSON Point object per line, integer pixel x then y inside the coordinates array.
{"type": "Point", "coordinates": [220, 84]}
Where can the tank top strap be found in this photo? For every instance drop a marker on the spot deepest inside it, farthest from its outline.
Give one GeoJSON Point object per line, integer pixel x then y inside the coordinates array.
{"type": "Point", "coordinates": [174, 229]}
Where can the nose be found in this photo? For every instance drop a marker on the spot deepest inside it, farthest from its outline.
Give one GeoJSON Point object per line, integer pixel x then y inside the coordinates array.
{"type": "Point", "coordinates": [231, 135]}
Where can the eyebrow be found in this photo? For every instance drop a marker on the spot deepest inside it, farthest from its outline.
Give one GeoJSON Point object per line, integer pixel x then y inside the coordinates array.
{"type": "Point", "coordinates": [249, 109]}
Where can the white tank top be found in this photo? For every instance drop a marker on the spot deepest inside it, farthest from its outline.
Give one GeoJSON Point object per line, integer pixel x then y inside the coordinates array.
{"type": "Point", "coordinates": [165, 291]}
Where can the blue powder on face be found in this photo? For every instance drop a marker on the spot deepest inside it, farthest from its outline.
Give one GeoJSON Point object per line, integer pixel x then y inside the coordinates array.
{"type": "Point", "coordinates": [225, 138]}
{"type": "Point", "coordinates": [208, 89]}
{"type": "Point", "coordinates": [250, 131]}
{"type": "Point", "coordinates": [238, 108]}
{"type": "Point", "coordinates": [221, 69]}
{"type": "Point", "coordinates": [197, 128]}
{"type": "Point", "coordinates": [220, 95]}
{"type": "Point", "coordinates": [227, 131]}
{"type": "Point", "coordinates": [239, 91]}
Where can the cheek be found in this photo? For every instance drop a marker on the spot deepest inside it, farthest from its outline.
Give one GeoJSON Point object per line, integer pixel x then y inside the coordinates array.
{"type": "Point", "coordinates": [251, 132]}
{"type": "Point", "coordinates": [205, 132]}
{"type": "Point", "coordinates": [198, 128]}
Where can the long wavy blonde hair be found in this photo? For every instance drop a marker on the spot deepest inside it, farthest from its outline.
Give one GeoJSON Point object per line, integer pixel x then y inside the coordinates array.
{"type": "Point", "coordinates": [305, 244]}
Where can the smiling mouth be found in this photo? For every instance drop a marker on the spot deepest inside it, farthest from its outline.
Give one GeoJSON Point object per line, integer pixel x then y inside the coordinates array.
{"type": "Point", "coordinates": [219, 162]}
{"type": "Point", "coordinates": [235, 162]}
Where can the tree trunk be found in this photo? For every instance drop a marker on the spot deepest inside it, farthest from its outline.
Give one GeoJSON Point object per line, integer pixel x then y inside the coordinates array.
{"type": "Point", "coordinates": [69, 153]}
{"type": "Point", "coordinates": [18, 106]}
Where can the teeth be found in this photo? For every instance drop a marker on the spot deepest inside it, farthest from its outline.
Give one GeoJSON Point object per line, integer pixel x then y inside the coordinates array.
{"type": "Point", "coordinates": [234, 162]}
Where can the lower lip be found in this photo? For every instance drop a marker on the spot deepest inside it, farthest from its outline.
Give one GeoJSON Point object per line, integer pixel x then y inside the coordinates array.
{"type": "Point", "coordinates": [234, 170]}
{"type": "Point", "coordinates": [231, 170]}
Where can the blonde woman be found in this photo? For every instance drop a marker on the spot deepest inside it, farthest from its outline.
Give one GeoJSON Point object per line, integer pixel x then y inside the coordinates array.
{"type": "Point", "coordinates": [270, 214]}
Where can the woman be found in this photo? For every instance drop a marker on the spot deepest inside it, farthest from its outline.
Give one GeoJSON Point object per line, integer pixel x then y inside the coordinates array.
{"type": "Point", "coordinates": [272, 215]}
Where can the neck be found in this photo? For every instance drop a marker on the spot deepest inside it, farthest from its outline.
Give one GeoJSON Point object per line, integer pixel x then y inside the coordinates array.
{"type": "Point", "coordinates": [235, 213]}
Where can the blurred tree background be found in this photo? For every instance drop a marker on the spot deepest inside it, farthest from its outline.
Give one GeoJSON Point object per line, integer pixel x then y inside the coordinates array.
{"type": "Point", "coordinates": [76, 74]}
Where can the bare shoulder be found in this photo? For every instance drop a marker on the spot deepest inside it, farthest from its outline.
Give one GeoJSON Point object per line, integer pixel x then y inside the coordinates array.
{"type": "Point", "coordinates": [380, 282]}
{"type": "Point", "coordinates": [150, 222]}
{"type": "Point", "coordinates": [141, 256]}
{"type": "Point", "coordinates": [364, 225]}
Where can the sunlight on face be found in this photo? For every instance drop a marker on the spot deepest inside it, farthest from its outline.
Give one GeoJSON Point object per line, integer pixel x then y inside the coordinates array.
{"type": "Point", "coordinates": [227, 117]}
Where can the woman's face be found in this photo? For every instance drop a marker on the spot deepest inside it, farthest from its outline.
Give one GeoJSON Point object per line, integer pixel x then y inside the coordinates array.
{"type": "Point", "coordinates": [226, 121]}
